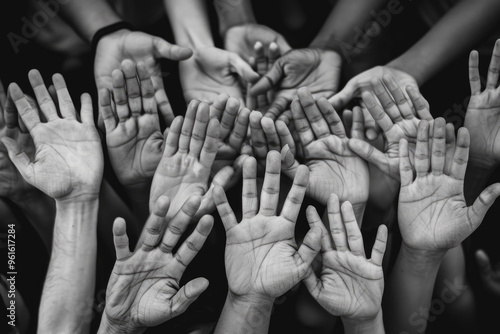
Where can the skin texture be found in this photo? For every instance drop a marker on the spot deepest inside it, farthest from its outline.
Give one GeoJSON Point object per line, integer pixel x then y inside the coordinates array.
{"type": "Point", "coordinates": [262, 258]}
{"type": "Point", "coordinates": [333, 166]}
{"type": "Point", "coordinates": [144, 287]}
{"type": "Point", "coordinates": [319, 70]}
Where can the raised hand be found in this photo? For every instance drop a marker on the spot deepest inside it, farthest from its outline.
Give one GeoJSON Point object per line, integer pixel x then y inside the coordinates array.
{"type": "Point", "coordinates": [262, 259]}
{"type": "Point", "coordinates": [241, 39]}
{"type": "Point", "coordinates": [68, 160]}
{"type": "Point", "coordinates": [432, 212]}
{"type": "Point", "coordinates": [396, 118]}
{"type": "Point", "coordinates": [489, 275]}
{"type": "Point", "coordinates": [363, 81]}
{"type": "Point", "coordinates": [212, 71]}
{"type": "Point", "coordinates": [133, 136]}
{"type": "Point", "coordinates": [188, 157]}
{"type": "Point", "coordinates": [266, 136]}
{"type": "Point", "coordinates": [350, 285]}
{"type": "Point", "coordinates": [319, 70]}
{"type": "Point", "coordinates": [334, 167]}
{"type": "Point", "coordinates": [144, 287]}
{"type": "Point", "coordinates": [483, 112]}
{"type": "Point", "coordinates": [138, 47]}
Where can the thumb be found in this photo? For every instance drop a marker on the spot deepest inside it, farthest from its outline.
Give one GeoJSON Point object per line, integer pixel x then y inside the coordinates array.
{"type": "Point", "coordinates": [308, 250]}
{"type": "Point", "coordinates": [370, 154]}
{"type": "Point", "coordinates": [187, 295]}
{"type": "Point", "coordinates": [18, 157]}
{"type": "Point", "coordinates": [243, 69]}
{"type": "Point", "coordinates": [288, 163]}
{"type": "Point", "coordinates": [483, 262]}
{"type": "Point", "coordinates": [164, 49]}
{"type": "Point", "coordinates": [482, 203]}
{"type": "Point", "coordinates": [269, 80]}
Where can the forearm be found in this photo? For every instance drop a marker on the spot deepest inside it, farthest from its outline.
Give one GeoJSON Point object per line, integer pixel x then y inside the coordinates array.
{"type": "Point", "coordinates": [409, 290]}
{"type": "Point", "coordinates": [360, 326]}
{"type": "Point", "coordinates": [40, 210]}
{"type": "Point", "coordinates": [244, 316]}
{"type": "Point", "coordinates": [190, 23]}
{"type": "Point", "coordinates": [87, 17]}
{"type": "Point", "coordinates": [343, 24]}
{"type": "Point", "coordinates": [67, 296]}
{"type": "Point", "coordinates": [233, 13]}
{"type": "Point", "coordinates": [439, 46]}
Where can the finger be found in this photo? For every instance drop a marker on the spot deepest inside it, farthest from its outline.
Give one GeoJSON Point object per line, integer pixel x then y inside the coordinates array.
{"type": "Point", "coordinates": [278, 107]}
{"type": "Point", "coordinates": [147, 91]}
{"type": "Point", "coordinates": [260, 59]}
{"type": "Point", "coordinates": [178, 222]}
{"type": "Point", "coordinates": [199, 130]}
{"type": "Point", "coordinates": [223, 178]}
{"type": "Point", "coordinates": [155, 225]}
{"type": "Point", "coordinates": [405, 171]}
{"type": "Point", "coordinates": [379, 246]}
{"type": "Point", "coordinates": [269, 80]}
{"type": "Point", "coordinates": [218, 106]}
{"type": "Point", "coordinates": [370, 154]}
{"type": "Point", "coordinates": [3, 97]}
{"type": "Point", "coordinates": [308, 250]}
{"type": "Point", "coordinates": [43, 98]}
{"type": "Point", "coordinates": [18, 157]}
{"type": "Point", "coordinates": [120, 239]}
{"type": "Point", "coordinates": [66, 105]}
{"type": "Point", "coordinates": [229, 116]}
{"type": "Point", "coordinates": [271, 187]}
{"type": "Point", "coordinates": [172, 140]}
{"type": "Point", "coordinates": [331, 117]}
{"type": "Point", "coordinates": [342, 98]}
{"type": "Point", "coordinates": [422, 149]}
{"type": "Point", "coordinates": [106, 110]}
{"type": "Point", "coordinates": [163, 105]}
{"type": "Point", "coordinates": [273, 141]}
{"type": "Point", "coordinates": [10, 115]}
{"type": "Point", "coordinates": [358, 128]}
{"type": "Point", "coordinates": [133, 89]}
{"type": "Point", "coordinates": [240, 130]}
{"type": "Point", "coordinates": [28, 114]}
{"type": "Point", "coordinates": [474, 77]}
{"type": "Point", "coordinates": [483, 202]}
{"type": "Point", "coordinates": [386, 100]}
{"type": "Point", "coordinates": [438, 146]}
{"type": "Point", "coordinates": [86, 112]}
{"type": "Point", "coordinates": [403, 106]}
{"type": "Point", "coordinates": [419, 103]}
{"type": "Point", "coordinates": [293, 202]}
{"type": "Point", "coordinates": [187, 126]}
{"type": "Point", "coordinates": [337, 228]}
{"type": "Point", "coordinates": [211, 144]}
{"type": "Point", "coordinates": [288, 163]}
{"type": "Point", "coordinates": [259, 141]}
{"type": "Point", "coordinates": [242, 68]}
{"type": "Point", "coordinates": [286, 117]}
{"type": "Point", "coordinates": [163, 49]}
{"type": "Point", "coordinates": [484, 264]}
{"type": "Point", "coordinates": [316, 120]}
{"type": "Point", "coordinates": [372, 129]}
{"type": "Point", "coordinates": [494, 68]}
{"type": "Point", "coordinates": [225, 212]}
{"type": "Point", "coordinates": [285, 136]}
{"type": "Point", "coordinates": [302, 125]}
{"type": "Point", "coordinates": [377, 112]}
{"type": "Point", "coordinates": [315, 221]}
{"type": "Point", "coordinates": [187, 295]}
{"type": "Point", "coordinates": [250, 201]}
{"type": "Point", "coordinates": [194, 242]}
{"type": "Point", "coordinates": [461, 156]}
{"type": "Point", "coordinates": [354, 237]}
{"type": "Point", "coordinates": [120, 95]}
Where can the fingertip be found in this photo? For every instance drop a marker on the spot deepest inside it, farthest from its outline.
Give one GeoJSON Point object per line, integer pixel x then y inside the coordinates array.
{"type": "Point", "coordinates": [119, 227]}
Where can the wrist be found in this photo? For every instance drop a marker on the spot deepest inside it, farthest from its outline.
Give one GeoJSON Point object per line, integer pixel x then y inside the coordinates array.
{"type": "Point", "coordinates": [111, 327]}
{"type": "Point", "coordinates": [374, 324]}
{"type": "Point", "coordinates": [419, 260]}
{"type": "Point", "coordinates": [410, 67]}
{"type": "Point", "coordinates": [117, 27]}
